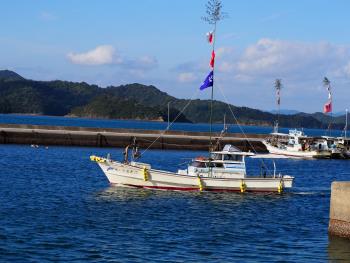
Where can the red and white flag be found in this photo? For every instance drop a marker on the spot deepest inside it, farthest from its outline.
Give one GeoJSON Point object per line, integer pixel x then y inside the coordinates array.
{"type": "Point", "coordinates": [210, 37]}
{"type": "Point", "coordinates": [212, 59]}
{"type": "Point", "coordinates": [327, 107]}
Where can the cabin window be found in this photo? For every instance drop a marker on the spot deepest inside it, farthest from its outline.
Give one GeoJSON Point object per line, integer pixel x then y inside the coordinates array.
{"type": "Point", "coordinates": [216, 156]}
{"type": "Point", "coordinates": [231, 157]}
{"type": "Point", "coordinates": [198, 164]}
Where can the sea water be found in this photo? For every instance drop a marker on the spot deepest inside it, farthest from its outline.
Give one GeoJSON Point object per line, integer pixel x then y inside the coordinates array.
{"type": "Point", "coordinates": [148, 125]}
{"type": "Point", "coordinates": [57, 205]}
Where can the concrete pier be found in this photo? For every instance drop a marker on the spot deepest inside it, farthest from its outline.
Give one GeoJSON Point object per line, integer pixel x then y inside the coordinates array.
{"type": "Point", "coordinates": [107, 137]}
{"type": "Point", "coordinates": [339, 218]}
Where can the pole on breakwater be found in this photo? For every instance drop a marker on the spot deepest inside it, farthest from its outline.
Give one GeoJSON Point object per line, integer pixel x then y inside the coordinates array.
{"type": "Point", "coordinates": [339, 215]}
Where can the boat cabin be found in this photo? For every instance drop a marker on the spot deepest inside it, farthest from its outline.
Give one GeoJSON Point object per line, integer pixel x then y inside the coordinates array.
{"type": "Point", "coordinates": [229, 161]}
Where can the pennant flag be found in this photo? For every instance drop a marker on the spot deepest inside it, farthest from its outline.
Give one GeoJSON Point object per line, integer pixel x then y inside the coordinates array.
{"type": "Point", "coordinates": [327, 107]}
{"type": "Point", "coordinates": [212, 59]}
{"type": "Point", "coordinates": [209, 81]}
{"type": "Point", "coordinates": [210, 37]}
{"type": "Point", "coordinates": [278, 96]}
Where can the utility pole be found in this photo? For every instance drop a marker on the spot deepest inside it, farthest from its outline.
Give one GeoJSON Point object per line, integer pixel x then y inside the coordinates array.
{"type": "Point", "coordinates": [168, 116]}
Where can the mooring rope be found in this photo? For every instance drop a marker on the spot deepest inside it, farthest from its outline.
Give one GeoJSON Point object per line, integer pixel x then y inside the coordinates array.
{"type": "Point", "coordinates": [178, 115]}
{"type": "Point", "coordinates": [240, 127]}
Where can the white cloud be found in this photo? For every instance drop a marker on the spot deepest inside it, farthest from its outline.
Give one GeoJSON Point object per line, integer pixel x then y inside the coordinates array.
{"type": "Point", "coordinates": [106, 55]}
{"type": "Point", "coordinates": [186, 77]}
{"type": "Point", "coordinates": [279, 58]}
{"type": "Point", "coordinates": [98, 56]}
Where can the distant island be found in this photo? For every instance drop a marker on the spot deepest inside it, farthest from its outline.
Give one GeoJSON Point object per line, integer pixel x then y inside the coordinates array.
{"type": "Point", "coordinates": [133, 101]}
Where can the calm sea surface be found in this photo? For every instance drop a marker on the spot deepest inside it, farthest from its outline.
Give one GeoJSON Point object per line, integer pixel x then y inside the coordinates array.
{"type": "Point", "coordinates": [56, 205]}
{"type": "Point", "coordinates": [84, 122]}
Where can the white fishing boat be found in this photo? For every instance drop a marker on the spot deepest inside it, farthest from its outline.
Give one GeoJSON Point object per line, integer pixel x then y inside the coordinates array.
{"type": "Point", "coordinates": [296, 144]}
{"type": "Point", "coordinates": [224, 171]}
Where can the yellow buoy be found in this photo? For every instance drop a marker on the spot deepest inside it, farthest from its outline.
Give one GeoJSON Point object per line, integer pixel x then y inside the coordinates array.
{"type": "Point", "coordinates": [243, 186]}
{"type": "Point", "coordinates": [145, 173]}
{"type": "Point", "coordinates": [280, 187]}
{"type": "Point", "coordinates": [200, 184]}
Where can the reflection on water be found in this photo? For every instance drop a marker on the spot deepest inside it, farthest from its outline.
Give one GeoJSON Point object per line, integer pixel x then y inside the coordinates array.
{"type": "Point", "coordinates": [338, 249]}
{"type": "Point", "coordinates": [117, 193]}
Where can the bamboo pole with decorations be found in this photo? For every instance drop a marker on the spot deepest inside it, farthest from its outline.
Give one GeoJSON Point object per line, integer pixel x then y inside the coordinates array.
{"type": "Point", "coordinates": [213, 15]}
{"type": "Point", "coordinates": [328, 107]}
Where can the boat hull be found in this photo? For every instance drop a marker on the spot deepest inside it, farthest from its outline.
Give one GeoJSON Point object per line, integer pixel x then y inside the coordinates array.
{"type": "Point", "coordinates": [296, 154]}
{"type": "Point", "coordinates": [132, 176]}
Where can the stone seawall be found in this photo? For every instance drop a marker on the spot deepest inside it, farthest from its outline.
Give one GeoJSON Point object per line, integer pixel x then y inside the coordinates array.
{"type": "Point", "coordinates": [107, 137]}
{"type": "Point", "coordinates": [339, 218]}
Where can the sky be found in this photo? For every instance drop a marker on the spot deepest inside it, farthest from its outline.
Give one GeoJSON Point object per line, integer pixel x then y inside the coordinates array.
{"type": "Point", "coordinates": [163, 43]}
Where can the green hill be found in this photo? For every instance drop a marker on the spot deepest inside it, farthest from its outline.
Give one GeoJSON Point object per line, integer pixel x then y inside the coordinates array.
{"type": "Point", "coordinates": [133, 101]}
{"type": "Point", "coordinates": [8, 75]}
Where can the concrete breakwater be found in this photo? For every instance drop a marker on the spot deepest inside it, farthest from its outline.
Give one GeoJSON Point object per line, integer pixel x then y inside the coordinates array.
{"type": "Point", "coordinates": [107, 137]}
{"type": "Point", "coordinates": [339, 216]}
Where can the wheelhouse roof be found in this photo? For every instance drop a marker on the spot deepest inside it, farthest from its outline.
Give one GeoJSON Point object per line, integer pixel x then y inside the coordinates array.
{"type": "Point", "coordinates": [235, 153]}
{"type": "Point", "coordinates": [232, 150]}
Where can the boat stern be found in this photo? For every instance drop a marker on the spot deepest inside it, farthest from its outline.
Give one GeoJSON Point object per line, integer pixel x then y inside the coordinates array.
{"type": "Point", "coordinates": [287, 181]}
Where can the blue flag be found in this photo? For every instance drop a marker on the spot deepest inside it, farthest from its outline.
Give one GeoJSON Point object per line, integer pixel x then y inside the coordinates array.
{"type": "Point", "coordinates": [209, 81]}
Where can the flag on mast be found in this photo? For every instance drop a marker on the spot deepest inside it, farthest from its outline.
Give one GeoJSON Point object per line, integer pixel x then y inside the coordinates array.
{"type": "Point", "coordinates": [327, 107]}
{"type": "Point", "coordinates": [212, 59]}
{"type": "Point", "coordinates": [278, 96]}
{"type": "Point", "coordinates": [208, 82]}
{"type": "Point", "coordinates": [210, 37]}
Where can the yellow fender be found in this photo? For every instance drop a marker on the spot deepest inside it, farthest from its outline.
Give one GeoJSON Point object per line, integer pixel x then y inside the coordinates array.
{"type": "Point", "coordinates": [200, 184]}
{"type": "Point", "coordinates": [94, 158]}
{"type": "Point", "coordinates": [243, 186]}
{"type": "Point", "coordinates": [280, 187]}
{"type": "Point", "coordinates": [145, 173]}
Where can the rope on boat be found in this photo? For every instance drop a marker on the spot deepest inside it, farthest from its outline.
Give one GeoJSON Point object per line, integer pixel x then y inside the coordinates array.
{"type": "Point", "coordinates": [165, 143]}
{"type": "Point", "coordinates": [239, 126]}
{"type": "Point", "coordinates": [177, 116]}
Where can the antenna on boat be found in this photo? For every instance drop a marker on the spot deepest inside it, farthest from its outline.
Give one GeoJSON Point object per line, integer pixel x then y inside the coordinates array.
{"type": "Point", "coordinates": [213, 15]}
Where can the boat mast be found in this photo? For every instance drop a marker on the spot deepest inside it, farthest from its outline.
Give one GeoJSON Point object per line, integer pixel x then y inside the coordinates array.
{"type": "Point", "coordinates": [212, 96]}
{"type": "Point", "coordinates": [213, 15]}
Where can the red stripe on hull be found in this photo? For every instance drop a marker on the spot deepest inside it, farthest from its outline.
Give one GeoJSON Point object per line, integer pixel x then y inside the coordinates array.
{"type": "Point", "coordinates": [170, 188]}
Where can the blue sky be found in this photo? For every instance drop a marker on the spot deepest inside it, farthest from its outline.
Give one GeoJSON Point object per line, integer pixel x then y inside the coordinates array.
{"type": "Point", "coordinates": [162, 42]}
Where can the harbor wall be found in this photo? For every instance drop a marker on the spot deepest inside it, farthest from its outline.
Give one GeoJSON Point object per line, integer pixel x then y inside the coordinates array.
{"type": "Point", "coordinates": [339, 218]}
{"type": "Point", "coordinates": [108, 137]}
